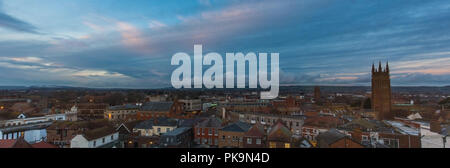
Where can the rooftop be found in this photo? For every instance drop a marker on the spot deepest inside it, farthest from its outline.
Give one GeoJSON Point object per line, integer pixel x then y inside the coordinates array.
{"type": "Point", "coordinates": [156, 106]}
{"type": "Point", "coordinates": [330, 136]}
{"type": "Point", "coordinates": [237, 127]}
{"type": "Point", "coordinates": [98, 133]}
{"type": "Point", "coordinates": [43, 144]}
{"type": "Point", "coordinates": [177, 131]}
{"type": "Point", "coordinates": [210, 122]}
{"type": "Point", "coordinates": [124, 107]}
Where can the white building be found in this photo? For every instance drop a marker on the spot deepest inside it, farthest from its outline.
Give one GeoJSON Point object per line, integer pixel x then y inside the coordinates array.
{"type": "Point", "coordinates": [22, 119]}
{"type": "Point", "coordinates": [97, 138]}
{"type": "Point", "coordinates": [431, 139]}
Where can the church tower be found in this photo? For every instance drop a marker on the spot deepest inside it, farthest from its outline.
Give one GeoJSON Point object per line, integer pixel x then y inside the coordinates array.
{"type": "Point", "coordinates": [381, 92]}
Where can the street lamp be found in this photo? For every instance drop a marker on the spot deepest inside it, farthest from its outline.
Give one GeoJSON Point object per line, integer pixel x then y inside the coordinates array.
{"type": "Point", "coordinates": [444, 133]}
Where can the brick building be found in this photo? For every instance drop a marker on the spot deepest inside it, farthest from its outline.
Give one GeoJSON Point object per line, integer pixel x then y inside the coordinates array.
{"type": "Point", "coordinates": [160, 109]}
{"type": "Point", "coordinates": [121, 112]}
{"type": "Point", "coordinates": [279, 136]}
{"type": "Point", "coordinates": [255, 137]}
{"type": "Point", "coordinates": [232, 135]}
{"type": "Point", "coordinates": [91, 111]}
{"type": "Point", "coordinates": [206, 132]}
{"type": "Point", "coordinates": [61, 133]}
{"type": "Point", "coordinates": [335, 139]}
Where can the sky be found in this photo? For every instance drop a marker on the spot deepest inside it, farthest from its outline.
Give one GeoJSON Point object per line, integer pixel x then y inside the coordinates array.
{"type": "Point", "coordinates": [129, 44]}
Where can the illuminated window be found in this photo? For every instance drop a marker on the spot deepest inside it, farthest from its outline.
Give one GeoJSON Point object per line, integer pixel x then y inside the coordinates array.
{"type": "Point", "coordinates": [272, 145]}
{"type": "Point", "coordinates": [287, 145]}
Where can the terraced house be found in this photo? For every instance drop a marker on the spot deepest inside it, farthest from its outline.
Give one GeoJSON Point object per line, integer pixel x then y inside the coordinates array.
{"type": "Point", "coordinates": [232, 135]}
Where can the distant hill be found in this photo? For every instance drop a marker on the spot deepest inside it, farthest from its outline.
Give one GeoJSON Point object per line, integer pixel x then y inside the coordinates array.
{"type": "Point", "coordinates": [283, 89]}
{"type": "Point", "coordinates": [13, 87]}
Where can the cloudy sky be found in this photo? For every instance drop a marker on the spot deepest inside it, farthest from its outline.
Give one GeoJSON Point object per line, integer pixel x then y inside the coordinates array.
{"type": "Point", "coordinates": [129, 44]}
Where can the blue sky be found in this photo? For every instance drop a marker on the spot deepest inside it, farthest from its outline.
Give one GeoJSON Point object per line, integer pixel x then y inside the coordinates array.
{"type": "Point", "coordinates": [129, 44]}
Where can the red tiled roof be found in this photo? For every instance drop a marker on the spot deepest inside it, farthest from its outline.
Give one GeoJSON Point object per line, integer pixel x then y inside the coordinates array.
{"type": "Point", "coordinates": [7, 143]}
{"type": "Point", "coordinates": [14, 143]}
{"type": "Point", "coordinates": [322, 121]}
{"type": "Point", "coordinates": [255, 131]}
{"type": "Point", "coordinates": [279, 132]}
{"type": "Point", "coordinates": [43, 144]}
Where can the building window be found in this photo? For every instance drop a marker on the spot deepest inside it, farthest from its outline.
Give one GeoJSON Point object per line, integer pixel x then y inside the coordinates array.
{"type": "Point", "coordinates": [272, 145]}
{"type": "Point", "coordinates": [103, 140]}
{"type": "Point", "coordinates": [258, 141]}
{"type": "Point", "coordinates": [95, 143]}
{"type": "Point", "coordinates": [167, 129]}
{"type": "Point", "coordinates": [365, 138]}
{"type": "Point", "coordinates": [112, 137]}
{"type": "Point", "coordinates": [287, 145]}
{"type": "Point", "coordinates": [159, 130]}
{"type": "Point", "coordinates": [199, 130]}
{"type": "Point", "coordinates": [394, 143]}
{"type": "Point", "coordinates": [249, 140]}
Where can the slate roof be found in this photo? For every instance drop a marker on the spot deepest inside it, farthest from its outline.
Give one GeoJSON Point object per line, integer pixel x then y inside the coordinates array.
{"type": "Point", "coordinates": [330, 136]}
{"type": "Point", "coordinates": [237, 127]}
{"type": "Point", "coordinates": [188, 122]}
{"type": "Point", "coordinates": [361, 122]}
{"type": "Point", "coordinates": [210, 122]}
{"type": "Point", "coordinates": [177, 131]}
{"type": "Point", "coordinates": [165, 122]}
{"type": "Point", "coordinates": [99, 132]}
{"type": "Point", "coordinates": [156, 106]}
{"type": "Point", "coordinates": [124, 107]}
{"type": "Point", "coordinates": [147, 124]}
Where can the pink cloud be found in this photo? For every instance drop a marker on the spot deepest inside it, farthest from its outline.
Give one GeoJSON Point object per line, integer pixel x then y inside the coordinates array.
{"type": "Point", "coordinates": [132, 37]}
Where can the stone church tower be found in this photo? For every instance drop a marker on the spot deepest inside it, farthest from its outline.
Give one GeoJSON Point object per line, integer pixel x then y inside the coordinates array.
{"type": "Point", "coordinates": [381, 93]}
